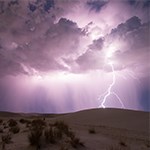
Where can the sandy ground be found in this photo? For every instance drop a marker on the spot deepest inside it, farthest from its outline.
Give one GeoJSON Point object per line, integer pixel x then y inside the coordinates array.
{"type": "Point", "coordinates": [114, 129]}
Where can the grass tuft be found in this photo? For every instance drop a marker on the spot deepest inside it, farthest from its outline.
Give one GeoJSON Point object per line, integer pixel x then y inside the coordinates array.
{"type": "Point", "coordinates": [34, 137]}
{"type": "Point", "coordinates": [12, 123]}
{"type": "Point", "coordinates": [92, 131]}
{"type": "Point", "coordinates": [62, 126]}
{"type": "Point", "coordinates": [122, 143]}
{"type": "Point", "coordinates": [38, 123]}
{"type": "Point", "coordinates": [50, 136]}
{"type": "Point", "coordinates": [14, 129]}
{"type": "Point", "coordinates": [24, 121]}
{"type": "Point", "coordinates": [1, 121]}
{"type": "Point", "coordinates": [6, 139]}
{"type": "Point", "coordinates": [75, 142]}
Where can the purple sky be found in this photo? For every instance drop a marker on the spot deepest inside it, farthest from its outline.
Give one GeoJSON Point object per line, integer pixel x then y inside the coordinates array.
{"type": "Point", "coordinates": [62, 55]}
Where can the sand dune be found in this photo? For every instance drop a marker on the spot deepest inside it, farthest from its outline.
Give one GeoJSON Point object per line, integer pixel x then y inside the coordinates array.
{"type": "Point", "coordinates": [118, 118]}
{"type": "Point", "coordinates": [114, 129]}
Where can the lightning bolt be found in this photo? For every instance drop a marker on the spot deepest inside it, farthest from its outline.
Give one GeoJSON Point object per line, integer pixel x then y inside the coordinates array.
{"type": "Point", "coordinates": [109, 91]}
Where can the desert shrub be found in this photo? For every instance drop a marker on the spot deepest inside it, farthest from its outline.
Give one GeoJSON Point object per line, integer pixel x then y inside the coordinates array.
{"type": "Point", "coordinates": [28, 125]}
{"type": "Point", "coordinates": [6, 139]}
{"type": "Point", "coordinates": [50, 136]}
{"type": "Point", "coordinates": [24, 121]}
{"type": "Point", "coordinates": [122, 143]}
{"type": "Point", "coordinates": [1, 130]}
{"type": "Point", "coordinates": [147, 143]}
{"type": "Point", "coordinates": [71, 134]}
{"type": "Point", "coordinates": [14, 129]}
{"type": "Point", "coordinates": [38, 123]}
{"type": "Point", "coordinates": [5, 126]}
{"type": "Point", "coordinates": [1, 121]}
{"type": "Point", "coordinates": [92, 131]}
{"type": "Point", "coordinates": [58, 133]}
{"type": "Point", "coordinates": [4, 123]}
{"type": "Point", "coordinates": [62, 126]}
{"type": "Point", "coordinates": [75, 142]}
{"type": "Point", "coordinates": [34, 137]}
{"type": "Point", "coordinates": [12, 122]}
{"type": "Point", "coordinates": [60, 130]}
{"type": "Point", "coordinates": [53, 134]}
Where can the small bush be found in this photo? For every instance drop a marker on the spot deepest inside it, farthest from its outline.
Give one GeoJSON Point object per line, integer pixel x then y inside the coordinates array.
{"type": "Point", "coordinates": [38, 123]}
{"type": "Point", "coordinates": [147, 143]}
{"type": "Point", "coordinates": [62, 126]}
{"type": "Point", "coordinates": [28, 125]}
{"type": "Point", "coordinates": [24, 121]}
{"type": "Point", "coordinates": [71, 134]}
{"type": "Point", "coordinates": [122, 143]}
{"type": "Point", "coordinates": [14, 129]}
{"type": "Point", "coordinates": [92, 131]}
{"type": "Point", "coordinates": [34, 137]}
{"type": "Point", "coordinates": [50, 136]}
{"type": "Point", "coordinates": [6, 139]}
{"type": "Point", "coordinates": [1, 121]}
{"type": "Point", "coordinates": [75, 142]}
{"type": "Point", "coordinates": [36, 130]}
{"type": "Point", "coordinates": [12, 123]}
{"type": "Point", "coordinates": [58, 133]}
{"type": "Point", "coordinates": [5, 127]}
{"type": "Point", "coordinates": [1, 130]}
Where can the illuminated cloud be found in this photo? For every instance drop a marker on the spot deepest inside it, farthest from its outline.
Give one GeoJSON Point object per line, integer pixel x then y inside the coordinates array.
{"type": "Point", "coordinates": [135, 48]}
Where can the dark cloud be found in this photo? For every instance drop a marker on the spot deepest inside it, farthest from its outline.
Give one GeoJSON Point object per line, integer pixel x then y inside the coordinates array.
{"type": "Point", "coordinates": [132, 2]}
{"type": "Point", "coordinates": [32, 7]}
{"type": "Point", "coordinates": [9, 67]}
{"type": "Point", "coordinates": [14, 2]}
{"type": "Point", "coordinates": [67, 23]}
{"type": "Point", "coordinates": [96, 5]}
{"type": "Point", "coordinates": [144, 97]}
{"type": "Point", "coordinates": [42, 53]}
{"type": "Point", "coordinates": [93, 58]}
{"type": "Point", "coordinates": [129, 25]}
{"type": "Point", "coordinates": [45, 5]}
{"type": "Point", "coordinates": [32, 39]}
{"type": "Point", "coordinates": [90, 60]}
{"type": "Point", "coordinates": [48, 5]}
{"type": "Point", "coordinates": [133, 33]}
{"type": "Point", "coordinates": [97, 44]}
{"type": "Point", "coordinates": [136, 3]}
{"type": "Point", "coordinates": [146, 3]}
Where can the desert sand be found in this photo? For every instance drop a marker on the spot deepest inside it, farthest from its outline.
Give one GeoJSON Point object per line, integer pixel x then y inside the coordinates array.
{"type": "Point", "coordinates": [97, 129]}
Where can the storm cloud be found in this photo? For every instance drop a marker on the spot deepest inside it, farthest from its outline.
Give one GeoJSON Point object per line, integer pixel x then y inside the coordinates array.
{"type": "Point", "coordinates": [60, 49]}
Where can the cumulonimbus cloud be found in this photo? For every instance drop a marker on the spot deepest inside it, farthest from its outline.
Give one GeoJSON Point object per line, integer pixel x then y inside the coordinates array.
{"type": "Point", "coordinates": [68, 45]}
